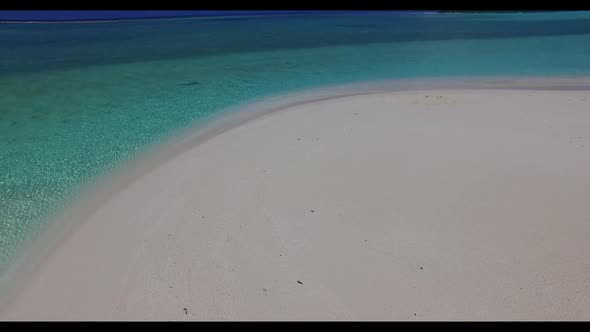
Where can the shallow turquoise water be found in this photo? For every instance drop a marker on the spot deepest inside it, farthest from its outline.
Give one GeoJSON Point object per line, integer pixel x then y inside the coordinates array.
{"type": "Point", "coordinates": [78, 99]}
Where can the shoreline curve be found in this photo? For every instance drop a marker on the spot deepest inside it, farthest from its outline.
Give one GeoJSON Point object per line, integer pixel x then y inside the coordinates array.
{"type": "Point", "coordinates": [100, 193]}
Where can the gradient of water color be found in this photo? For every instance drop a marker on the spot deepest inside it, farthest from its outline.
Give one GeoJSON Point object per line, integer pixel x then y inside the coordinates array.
{"type": "Point", "coordinates": [79, 99]}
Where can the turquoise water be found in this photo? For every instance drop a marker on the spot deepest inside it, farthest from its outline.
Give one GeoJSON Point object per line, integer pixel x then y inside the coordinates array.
{"type": "Point", "coordinates": [78, 99]}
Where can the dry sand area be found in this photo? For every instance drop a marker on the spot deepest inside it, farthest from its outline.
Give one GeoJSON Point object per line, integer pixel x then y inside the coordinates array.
{"type": "Point", "coordinates": [418, 205]}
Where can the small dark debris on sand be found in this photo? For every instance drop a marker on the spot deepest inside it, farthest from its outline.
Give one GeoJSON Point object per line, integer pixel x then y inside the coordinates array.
{"type": "Point", "coordinates": [185, 311]}
{"type": "Point", "coordinates": [421, 268]}
{"type": "Point", "coordinates": [299, 282]}
{"type": "Point", "coordinates": [312, 211]}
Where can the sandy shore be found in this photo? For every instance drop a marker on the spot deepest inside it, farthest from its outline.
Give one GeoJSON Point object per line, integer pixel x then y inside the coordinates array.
{"type": "Point", "coordinates": [417, 205]}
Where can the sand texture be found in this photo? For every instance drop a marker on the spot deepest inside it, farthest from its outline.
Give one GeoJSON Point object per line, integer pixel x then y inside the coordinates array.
{"type": "Point", "coordinates": [417, 205]}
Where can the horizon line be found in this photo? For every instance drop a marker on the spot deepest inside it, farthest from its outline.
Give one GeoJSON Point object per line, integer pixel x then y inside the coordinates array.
{"type": "Point", "coordinates": [205, 15]}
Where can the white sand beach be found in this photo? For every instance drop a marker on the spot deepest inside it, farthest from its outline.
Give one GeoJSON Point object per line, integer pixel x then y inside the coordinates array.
{"type": "Point", "coordinates": [444, 204]}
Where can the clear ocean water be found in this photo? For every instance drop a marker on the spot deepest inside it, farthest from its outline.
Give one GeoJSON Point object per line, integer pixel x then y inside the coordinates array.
{"type": "Point", "coordinates": [78, 99]}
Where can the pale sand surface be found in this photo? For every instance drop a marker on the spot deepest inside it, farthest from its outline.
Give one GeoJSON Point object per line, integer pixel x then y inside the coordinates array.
{"type": "Point", "coordinates": [417, 205]}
